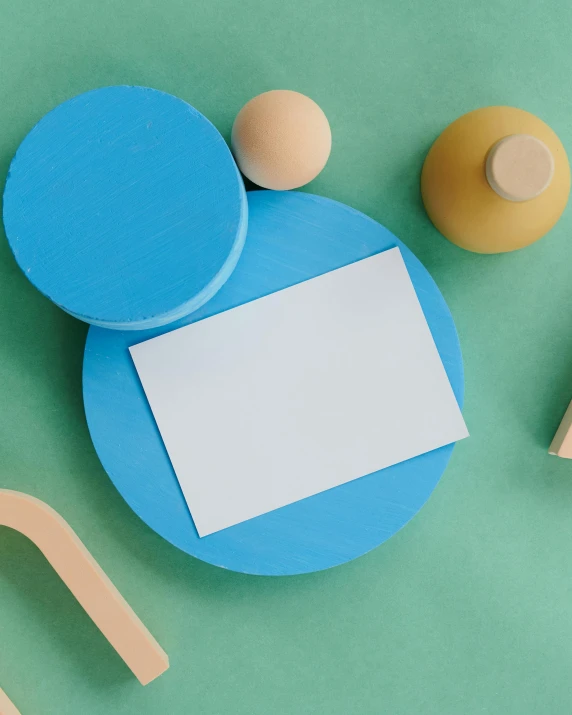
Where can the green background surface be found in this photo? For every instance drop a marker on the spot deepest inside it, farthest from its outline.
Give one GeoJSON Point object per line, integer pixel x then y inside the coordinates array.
{"type": "Point", "coordinates": [469, 608]}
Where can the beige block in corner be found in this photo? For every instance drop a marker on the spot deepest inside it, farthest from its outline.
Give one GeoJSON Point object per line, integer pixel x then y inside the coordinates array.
{"type": "Point", "coordinates": [562, 443]}
{"type": "Point", "coordinates": [6, 705]}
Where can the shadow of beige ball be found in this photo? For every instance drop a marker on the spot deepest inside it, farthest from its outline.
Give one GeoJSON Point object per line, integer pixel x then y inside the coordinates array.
{"type": "Point", "coordinates": [281, 139]}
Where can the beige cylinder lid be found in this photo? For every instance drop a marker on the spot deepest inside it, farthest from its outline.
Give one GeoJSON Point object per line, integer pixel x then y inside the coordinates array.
{"type": "Point", "coordinates": [519, 167]}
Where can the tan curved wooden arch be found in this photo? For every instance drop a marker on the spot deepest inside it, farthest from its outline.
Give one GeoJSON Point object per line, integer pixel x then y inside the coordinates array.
{"type": "Point", "coordinates": [87, 581]}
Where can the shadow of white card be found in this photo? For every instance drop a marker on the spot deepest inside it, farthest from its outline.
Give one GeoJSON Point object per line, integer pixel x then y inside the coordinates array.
{"type": "Point", "coordinates": [299, 392]}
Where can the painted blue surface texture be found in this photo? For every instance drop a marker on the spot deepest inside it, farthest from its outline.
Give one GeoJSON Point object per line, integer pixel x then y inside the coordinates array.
{"type": "Point", "coordinates": [292, 237]}
{"type": "Point", "coordinates": [125, 207]}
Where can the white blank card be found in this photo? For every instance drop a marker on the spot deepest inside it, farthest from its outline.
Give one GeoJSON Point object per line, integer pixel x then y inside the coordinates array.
{"type": "Point", "coordinates": [298, 392]}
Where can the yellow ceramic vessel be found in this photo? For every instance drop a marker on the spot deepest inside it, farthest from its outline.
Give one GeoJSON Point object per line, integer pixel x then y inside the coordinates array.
{"type": "Point", "coordinates": [462, 202]}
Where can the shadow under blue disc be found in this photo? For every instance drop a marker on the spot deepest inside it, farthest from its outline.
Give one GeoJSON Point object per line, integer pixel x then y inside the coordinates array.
{"type": "Point", "coordinates": [125, 207]}
{"type": "Point", "coordinates": [292, 237]}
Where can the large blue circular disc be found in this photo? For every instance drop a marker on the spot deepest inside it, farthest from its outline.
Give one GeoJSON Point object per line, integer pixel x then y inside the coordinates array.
{"type": "Point", "coordinates": [292, 237]}
{"type": "Point", "coordinates": [125, 207]}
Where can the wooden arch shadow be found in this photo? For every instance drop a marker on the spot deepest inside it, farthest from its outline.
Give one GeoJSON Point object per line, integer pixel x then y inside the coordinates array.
{"type": "Point", "coordinates": [87, 581]}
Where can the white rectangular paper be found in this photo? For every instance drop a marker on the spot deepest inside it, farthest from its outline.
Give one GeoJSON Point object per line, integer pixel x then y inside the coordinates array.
{"type": "Point", "coordinates": [299, 392]}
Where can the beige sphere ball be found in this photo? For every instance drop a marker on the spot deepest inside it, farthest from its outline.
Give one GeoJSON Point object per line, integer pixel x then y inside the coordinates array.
{"type": "Point", "coordinates": [281, 139]}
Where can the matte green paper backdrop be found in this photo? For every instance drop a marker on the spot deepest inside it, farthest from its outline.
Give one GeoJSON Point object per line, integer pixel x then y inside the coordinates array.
{"type": "Point", "coordinates": [468, 610]}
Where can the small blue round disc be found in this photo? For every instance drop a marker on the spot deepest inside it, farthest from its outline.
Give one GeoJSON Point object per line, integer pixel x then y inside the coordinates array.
{"type": "Point", "coordinates": [292, 237]}
{"type": "Point", "coordinates": [125, 207]}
